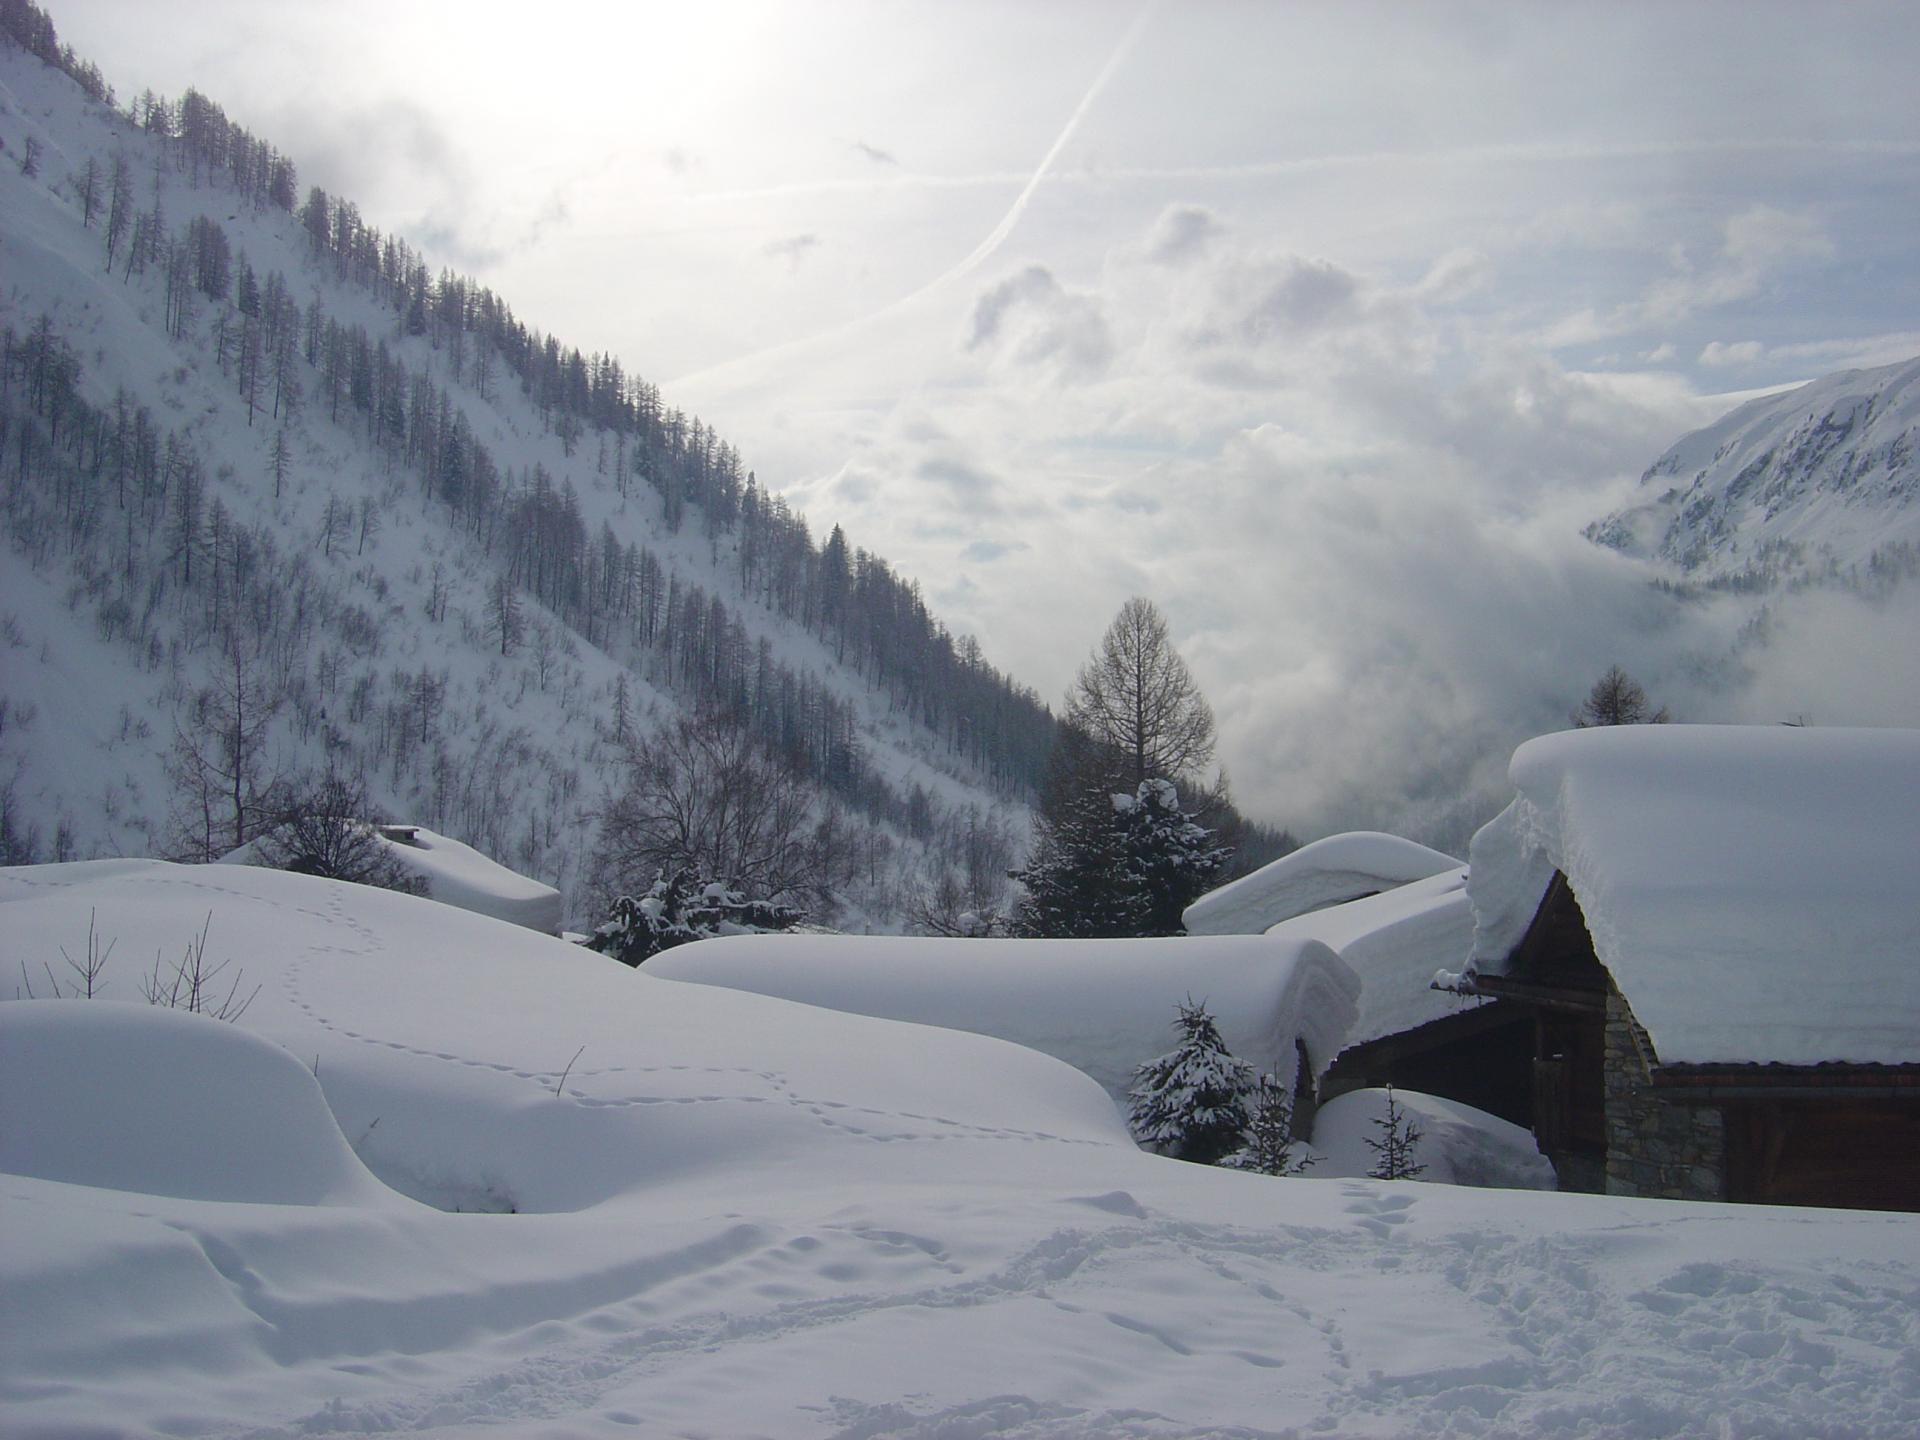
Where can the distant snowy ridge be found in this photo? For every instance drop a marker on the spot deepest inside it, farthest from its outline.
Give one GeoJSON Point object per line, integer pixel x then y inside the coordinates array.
{"type": "Point", "coordinates": [1817, 483]}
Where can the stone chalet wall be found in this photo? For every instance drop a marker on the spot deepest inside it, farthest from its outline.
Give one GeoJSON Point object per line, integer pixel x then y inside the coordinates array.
{"type": "Point", "coordinates": [1655, 1149]}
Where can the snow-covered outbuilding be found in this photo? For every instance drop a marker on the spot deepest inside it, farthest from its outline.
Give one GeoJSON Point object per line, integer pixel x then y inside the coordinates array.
{"type": "Point", "coordinates": [1407, 1033]}
{"type": "Point", "coordinates": [456, 874]}
{"type": "Point", "coordinates": [1103, 1006]}
{"type": "Point", "coordinates": [1327, 872]}
{"type": "Point", "coordinates": [1717, 931]}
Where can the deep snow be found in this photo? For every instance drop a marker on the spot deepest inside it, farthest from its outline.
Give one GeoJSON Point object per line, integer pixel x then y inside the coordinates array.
{"type": "Point", "coordinates": [1394, 942]}
{"type": "Point", "coordinates": [1753, 891]}
{"type": "Point", "coordinates": [739, 1216]}
{"type": "Point", "coordinates": [1103, 1006]}
{"type": "Point", "coordinates": [1325, 872]}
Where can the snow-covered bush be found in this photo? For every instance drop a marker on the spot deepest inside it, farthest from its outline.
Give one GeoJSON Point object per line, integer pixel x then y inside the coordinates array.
{"type": "Point", "coordinates": [677, 909]}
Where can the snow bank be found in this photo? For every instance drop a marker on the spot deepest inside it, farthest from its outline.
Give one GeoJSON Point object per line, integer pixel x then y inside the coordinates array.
{"type": "Point", "coordinates": [1326, 872]}
{"type": "Point", "coordinates": [1394, 943]}
{"type": "Point", "coordinates": [1458, 1144]}
{"type": "Point", "coordinates": [441, 1038]}
{"type": "Point", "coordinates": [1754, 892]}
{"type": "Point", "coordinates": [162, 1102]}
{"type": "Point", "coordinates": [1103, 1006]}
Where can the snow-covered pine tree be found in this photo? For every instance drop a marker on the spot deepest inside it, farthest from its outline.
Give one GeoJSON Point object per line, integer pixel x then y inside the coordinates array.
{"type": "Point", "coordinates": [1170, 859]}
{"type": "Point", "coordinates": [1268, 1142]}
{"type": "Point", "coordinates": [1075, 880]}
{"type": "Point", "coordinates": [1394, 1148]}
{"type": "Point", "coordinates": [1191, 1103]}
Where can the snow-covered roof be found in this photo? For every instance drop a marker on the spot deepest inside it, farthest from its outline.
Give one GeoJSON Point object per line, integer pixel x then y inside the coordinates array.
{"type": "Point", "coordinates": [458, 874]}
{"type": "Point", "coordinates": [1326, 872]}
{"type": "Point", "coordinates": [1754, 892]}
{"type": "Point", "coordinates": [1394, 943]}
{"type": "Point", "coordinates": [1103, 1006]}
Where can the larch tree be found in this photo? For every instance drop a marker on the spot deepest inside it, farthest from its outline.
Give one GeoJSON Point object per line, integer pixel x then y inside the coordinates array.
{"type": "Point", "coordinates": [1113, 854]}
{"type": "Point", "coordinates": [1136, 695]}
{"type": "Point", "coordinates": [1618, 699]}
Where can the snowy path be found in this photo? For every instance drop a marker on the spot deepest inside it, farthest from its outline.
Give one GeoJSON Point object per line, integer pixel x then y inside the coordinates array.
{"type": "Point", "coordinates": [744, 1218]}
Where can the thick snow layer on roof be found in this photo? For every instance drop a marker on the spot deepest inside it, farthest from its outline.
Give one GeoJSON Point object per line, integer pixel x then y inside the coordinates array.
{"type": "Point", "coordinates": [1326, 872]}
{"type": "Point", "coordinates": [1394, 943]}
{"type": "Point", "coordinates": [1103, 1006]}
{"type": "Point", "coordinates": [458, 874]}
{"type": "Point", "coordinates": [1754, 892]}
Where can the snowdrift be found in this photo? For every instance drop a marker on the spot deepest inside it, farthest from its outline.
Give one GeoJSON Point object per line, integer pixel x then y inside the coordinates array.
{"type": "Point", "coordinates": [740, 1216]}
{"type": "Point", "coordinates": [80, 1103]}
{"type": "Point", "coordinates": [1103, 1006]}
{"type": "Point", "coordinates": [1457, 1144]}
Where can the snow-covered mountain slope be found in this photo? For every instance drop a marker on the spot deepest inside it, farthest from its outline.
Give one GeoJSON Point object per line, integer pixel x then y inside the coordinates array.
{"type": "Point", "coordinates": [1817, 483]}
{"type": "Point", "coordinates": [404, 531]}
{"type": "Point", "coordinates": [737, 1216]}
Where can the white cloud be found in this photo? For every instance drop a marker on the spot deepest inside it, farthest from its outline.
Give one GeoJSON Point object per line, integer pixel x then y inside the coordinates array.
{"type": "Point", "coordinates": [1031, 320]}
{"type": "Point", "coordinates": [1182, 233]}
{"type": "Point", "coordinates": [1720, 355]}
{"type": "Point", "coordinates": [1761, 237]}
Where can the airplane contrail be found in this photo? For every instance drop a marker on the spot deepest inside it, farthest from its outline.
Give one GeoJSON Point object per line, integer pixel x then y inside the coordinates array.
{"type": "Point", "coordinates": [981, 252]}
{"type": "Point", "coordinates": [1019, 207]}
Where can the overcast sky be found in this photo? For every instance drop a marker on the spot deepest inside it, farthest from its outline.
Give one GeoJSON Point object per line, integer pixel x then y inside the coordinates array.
{"type": "Point", "coordinates": [1325, 326]}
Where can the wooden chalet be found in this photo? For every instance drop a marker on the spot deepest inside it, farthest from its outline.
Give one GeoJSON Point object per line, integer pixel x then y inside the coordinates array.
{"type": "Point", "coordinates": [1772, 1125]}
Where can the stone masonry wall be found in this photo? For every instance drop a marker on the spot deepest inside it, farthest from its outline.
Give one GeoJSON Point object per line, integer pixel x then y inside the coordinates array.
{"type": "Point", "coordinates": [1655, 1149]}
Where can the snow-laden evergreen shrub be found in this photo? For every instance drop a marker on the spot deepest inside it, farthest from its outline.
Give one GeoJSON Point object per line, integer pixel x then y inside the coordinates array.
{"type": "Point", "coordinates": [677, 909]}
{"type": "Point", "coordinates": [1191, 1103]}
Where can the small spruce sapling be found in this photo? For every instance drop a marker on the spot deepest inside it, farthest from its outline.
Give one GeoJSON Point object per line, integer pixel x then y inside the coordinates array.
{"type": "Point", "coordinates": [1268, 1142]}
{"type": "Point", "coordinates": [1191, 1103]}
{"type": "Point", "coordinates": [1394, 1149]}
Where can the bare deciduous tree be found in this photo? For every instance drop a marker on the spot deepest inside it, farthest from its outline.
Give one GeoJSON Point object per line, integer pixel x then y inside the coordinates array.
{"type": "Point", "coordinates": [1136, 696]}
{"type": "Point", "coordinates": [1618, 699]}
{"type": "Point", "coordinates": [703, 795]}
{"type": "Point", "coordinates": [225, 790]}
{"type": "Point", "coordinates": [326, 830]}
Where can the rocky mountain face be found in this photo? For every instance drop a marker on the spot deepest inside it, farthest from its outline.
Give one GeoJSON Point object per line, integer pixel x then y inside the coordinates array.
{"type": "Point", "coordinates": [1813, 485]}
